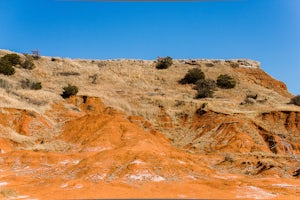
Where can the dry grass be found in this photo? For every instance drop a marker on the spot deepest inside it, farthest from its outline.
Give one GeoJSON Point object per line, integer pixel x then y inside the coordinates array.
{"type": "Point", "coordinates": [7, 193]}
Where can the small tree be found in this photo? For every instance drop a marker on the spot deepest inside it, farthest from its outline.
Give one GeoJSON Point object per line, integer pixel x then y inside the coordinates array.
{"type": "Point", "coordinates": [69, 90]}
{"type": "Point", "coordinates": [164, 63]}
{"type": "Point", "coordinates": [225, 81]}
{"type": "Point", "coordinates": [192, 76]}
{"type": "Point", "coordinates": [296, 100]}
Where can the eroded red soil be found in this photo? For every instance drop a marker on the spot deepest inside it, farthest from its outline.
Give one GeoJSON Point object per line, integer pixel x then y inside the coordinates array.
{"type": "Point", "coordinates": [100, 152]}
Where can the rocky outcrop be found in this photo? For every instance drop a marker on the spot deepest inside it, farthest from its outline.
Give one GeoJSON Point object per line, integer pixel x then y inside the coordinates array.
{"type": "Point", "coordinates": [276, 132]}
{"type": "Point", "coordinates": [259, 77]}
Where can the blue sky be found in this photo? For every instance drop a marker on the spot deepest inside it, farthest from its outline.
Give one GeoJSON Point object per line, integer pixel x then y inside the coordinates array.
{"type": "Point", "coordinates": [263, 30]}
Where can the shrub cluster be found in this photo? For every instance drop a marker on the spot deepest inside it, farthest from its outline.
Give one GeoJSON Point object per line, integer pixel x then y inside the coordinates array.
{"type": "Point", "coordinates": [296, 100]}
{"type": "Point", "coordinates": [8, 62]}
{"type": "Point", "coordinates": [206, 87]}
{"type": "Point", "coordinates": [27, 84]}
{"type": "Point", "coordinates": [164, 63]}
{"type": "Point", "coordinates": [225, 81]}
{"type": "Point", "coordinates": [68, 91]}
{"type": "Point", "coordinates": [192, 76]}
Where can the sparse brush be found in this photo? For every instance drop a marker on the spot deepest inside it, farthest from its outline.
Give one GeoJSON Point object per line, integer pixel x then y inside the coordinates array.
{"type": "Point", "coordinates": [27, 84]}
{"type": "Point", "coordinates": [28, 64]}
{"type": "Point", "coordinates": [164, 63]}
{"type": "Point", "coordinates": [69, 90]}
{"type": "Point", "coordinates": [93, 78]}
{"type": "Point", "coordinates": [4, 84]}
{"type": "Point", "coordinates": [69, 73]}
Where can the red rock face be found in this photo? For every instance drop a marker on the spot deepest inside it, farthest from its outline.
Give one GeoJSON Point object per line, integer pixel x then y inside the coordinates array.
{"type": "Point", "coordinates": [269, 132]}
{"type": "Point", "coordinates": [110, 155]}
{"type": "Point", "coordinates": [259, 77]}
{"type": "Point", "coordinates": [24, 122]}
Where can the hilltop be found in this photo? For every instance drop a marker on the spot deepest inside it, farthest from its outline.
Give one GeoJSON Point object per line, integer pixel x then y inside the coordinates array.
{"type": "Point", "coordinates": [135, 131]}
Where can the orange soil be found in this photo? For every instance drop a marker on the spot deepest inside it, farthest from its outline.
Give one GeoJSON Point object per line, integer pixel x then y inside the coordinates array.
{"type": "Point", "coordinates": [112, 155]}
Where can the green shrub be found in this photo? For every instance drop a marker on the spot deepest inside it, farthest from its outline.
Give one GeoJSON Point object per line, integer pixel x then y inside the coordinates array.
{"type": "Point", "coordinates": [225, 81]}
{"type": "Point", "coordinates": [28, 64]}
{"type": "Point", "coordinates": [164, 63]}
{"type": "Point", "coordinates": [27, 84]}
{"type": "Point", "coordinates": [192, 76]}
{"type": "Point", "coordinates": [7, 62]}
{"type": "Point", "coordinates": [205, 83]}
{"type": "Point", "coordinates": [205, 88]}
{"type": "Point", "coordinates": [36, 86]}
{"type": "Point", "coordinates": [296, 100]}
{"type": "Point", "coordinates": [69, 90]}
{"type": "Point", "coordinates": [13, 59]}
{"type": "Point", "coordinates": [204, 93]}
{"type": "Point", "coordinates": [6, 67]}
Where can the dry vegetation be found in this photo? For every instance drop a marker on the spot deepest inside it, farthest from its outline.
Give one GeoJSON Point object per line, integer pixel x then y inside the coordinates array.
{"type": "Point", "coordinates": [138, 88]}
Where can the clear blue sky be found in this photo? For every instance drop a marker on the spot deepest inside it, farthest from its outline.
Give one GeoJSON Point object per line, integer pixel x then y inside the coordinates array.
{"type": "Point", "coordinates": [264, 30]}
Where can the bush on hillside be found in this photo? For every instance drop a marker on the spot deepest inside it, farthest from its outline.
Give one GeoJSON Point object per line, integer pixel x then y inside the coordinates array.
{"type": "Point", "coordinates": [164, 63]}
{"type": "Point", "coordinates": [13, 59]}
{"type": "Point", "coordinates": [296, 100]}
{"type": "Point", "coordinates": [27, 84]}
{"type": "Point", "coordinates": [192, 76]}
{"type": "Point", "coordinates": [28, 64]}
{"type": "Point", "coordinates": [204, 93]}
{"type": "Point", "coordinates": [225, 81]}
{"type": "Point", "coordinates": [6, 68]}
{"type": "Point", "coordinates": [205, 83]}
{"type": "Point", "coordinates": [205, 88]}
{"type": "Point", "coordinates": [69, 90]}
